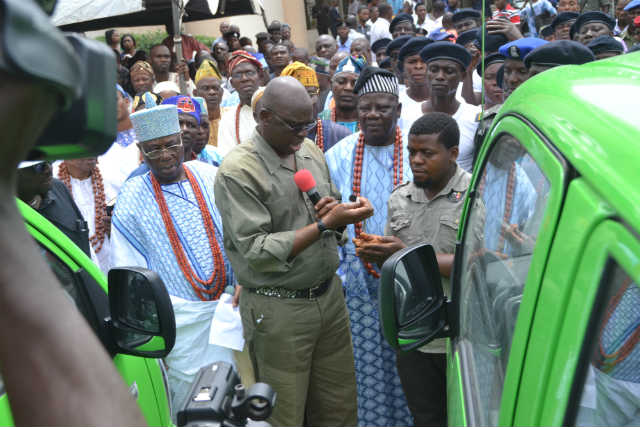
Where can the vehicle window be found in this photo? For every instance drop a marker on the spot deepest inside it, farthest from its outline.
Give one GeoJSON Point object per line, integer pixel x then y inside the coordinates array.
{"type": "Point", "coordinates": [65, 276]}
{"type": "Point", "coordinates": [611, 391]}
{"type": "Point", "coordinates": [500, 236]}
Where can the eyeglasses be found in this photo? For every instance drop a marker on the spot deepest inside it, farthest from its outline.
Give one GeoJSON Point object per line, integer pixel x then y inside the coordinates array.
{"type": "Point", "coordinates": [294, 128]}
{"type": "Point", "coordinates": [238, 75]}
{"type": "Point", "coordinates": [155, 154]}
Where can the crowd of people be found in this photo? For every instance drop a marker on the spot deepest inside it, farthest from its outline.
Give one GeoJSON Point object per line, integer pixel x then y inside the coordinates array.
{"type": "Point", "coordinates": [387, 114]}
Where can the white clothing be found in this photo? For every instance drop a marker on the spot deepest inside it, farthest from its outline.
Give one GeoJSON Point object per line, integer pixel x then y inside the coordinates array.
{"type": "Point", "coordinates": [379, 30]}
{"type": "Point", "coordinates": [82, 193]}
{"type": "Point", "coordinates": [429, 23]}
{"type": "Point", "coordinates": [353, 34]}
{"type": "Point", "coordinates": [411, 111]}
{"type": "Point", "coordinates": [117, 164]}
{"type": "Point", "coordinates": [227, 138]}
{"type": "Point", "coordinates": [466, 119]}
{"type": "Point", "coordinates": [477, 86]}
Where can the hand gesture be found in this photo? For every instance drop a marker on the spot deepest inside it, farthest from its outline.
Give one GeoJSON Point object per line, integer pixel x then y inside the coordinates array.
{"type": "Point", "coordinates": [377, 248]}
{"type": "Point", "coordinates": [504, 26]}
{"type": "Point", "coordinates": [183, 69]}
{"type": "Point", "coordinates": [342, 214]}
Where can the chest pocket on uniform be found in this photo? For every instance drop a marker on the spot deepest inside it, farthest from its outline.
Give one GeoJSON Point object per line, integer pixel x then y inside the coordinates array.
{"type": "Point", "coordinates": [399, 222]}
{"type": "Point", "coordinates": [447, 233]}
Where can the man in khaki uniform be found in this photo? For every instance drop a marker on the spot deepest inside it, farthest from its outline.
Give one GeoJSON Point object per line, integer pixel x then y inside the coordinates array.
{"type": "Point", "coordinates": [426, 210]}
{"type": "Point", "coordinates": [284, 253]}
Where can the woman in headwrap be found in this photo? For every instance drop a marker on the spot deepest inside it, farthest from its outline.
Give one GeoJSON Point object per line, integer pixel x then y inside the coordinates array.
{"type": "Point", "coordinates": [142, 77]}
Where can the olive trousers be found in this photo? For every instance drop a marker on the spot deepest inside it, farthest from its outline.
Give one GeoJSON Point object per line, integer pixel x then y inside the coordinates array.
{"type": "Point", "coordinates": [302, 348]}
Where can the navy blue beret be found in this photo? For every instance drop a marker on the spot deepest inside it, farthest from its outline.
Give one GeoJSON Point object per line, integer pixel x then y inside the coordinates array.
{"type": "Point", "coordinates": [546, 31]}
{"type": "Point", "coordinates": [560, 52]}
{"type": "Point", "coordinates": [605, 44]}
{"type": "Point", "coordinates": [413, 46]}
{"type": "Point", "coordinates": [492, 42]}
{"type": "Point", "coordinates": [500, 77]}
{"type": "Point", "coordinates": [592, 16]}
{"type": "Point", "coordinates": [380, 44]}
{"type": "Point", "coordinates": [468, 36]}
{"type": "Point", "coordinates": [518, 49]}
{"type": "Point", "coordinates": [446, 50]}
{"type": "Point", "coordinates": [401, 17]}
{"type": "Point", "coordinates": [462, 14]}
{"type": "Point", "coordinates": [488, 60]}
{"type": "Point", "coordinates": [563, 17]}
{"type": "Point", "coordinates": [397, 44]}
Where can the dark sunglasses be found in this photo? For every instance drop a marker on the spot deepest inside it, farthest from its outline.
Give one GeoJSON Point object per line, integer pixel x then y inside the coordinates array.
{"type": "Point", "coordinates": [295, 128]}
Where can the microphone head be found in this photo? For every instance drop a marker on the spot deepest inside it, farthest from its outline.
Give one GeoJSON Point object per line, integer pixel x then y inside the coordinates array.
{"type": "Point", "coordinates": [304, 180]}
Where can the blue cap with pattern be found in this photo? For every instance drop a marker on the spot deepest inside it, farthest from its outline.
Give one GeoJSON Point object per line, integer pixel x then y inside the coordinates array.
{"type": "Point", "coordinates": [156, 122]}
{"type": "Point", "coordinates": [203, 105]}
{"type": "Point", "coordinates": [185, 105]}
{"type": "Point", "coordinates": [351, 64]}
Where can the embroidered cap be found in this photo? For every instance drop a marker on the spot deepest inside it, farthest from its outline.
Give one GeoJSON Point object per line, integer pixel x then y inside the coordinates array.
{"type": "Point", "coordinates": [156, 122]}
{"type": "Point", "coordinates": [376, 80]}
{"type": "Point", "coordinates": [185, 105]}
{"type": "Point", "coordinates": [351, 64]}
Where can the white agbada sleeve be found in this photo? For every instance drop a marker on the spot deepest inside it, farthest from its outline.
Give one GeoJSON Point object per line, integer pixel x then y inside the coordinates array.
{"type": "Point", "coordinates": [123, 253]}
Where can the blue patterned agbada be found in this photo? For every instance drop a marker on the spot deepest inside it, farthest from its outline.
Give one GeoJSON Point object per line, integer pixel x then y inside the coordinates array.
{"type": "Point", "coordinates": [139, 238]}
{"type": "Point", "coordinates": [381, 400]}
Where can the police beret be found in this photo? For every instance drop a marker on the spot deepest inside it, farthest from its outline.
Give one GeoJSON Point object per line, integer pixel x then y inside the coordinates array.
{"type": "Point", "coordinates": [446, 50]}
{"type": "Point", "coordinates": [262, 36]}
{"type": "Point", "coordinates": [518, 49]}
{"type": "Point", "coordinates": [413, 46]}
{"type": "Point", "coordinates": [468, 36]}
{"type": "Point", "coordinates": [546, 31]}
{"type": "Point", "coordinates": [397, 44]}
{"type": "Point", "coordinates": [563, 17]}
{"type": "Point", "coordinates": [492, 42]}
{"type": "Point", "coordinates": [461, 14]}
{"type": "Point", "coordinates": [401, 17]}
{"type": "Point", "coordinates": [591, 16]}
{"type": "Point", "coordinates": [633, 4]}
{"type": "Point", "coordinates": [605, 44]}
{"type": "Point", "coordinates": [385, 63]}
{"type": "Point", "coordinates": [488, 60]}
{"type": "Point", "coordinates": [380, 44]}
{"type": "Point", "coordinates": [560, 52]}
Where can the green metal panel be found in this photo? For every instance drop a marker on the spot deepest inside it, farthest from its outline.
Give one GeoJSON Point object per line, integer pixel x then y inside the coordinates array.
{"type": "Point", "coordinates": [6, 419]}
{"type": "Point", "coordinates": [145, 373]}
{"type": "Point", "coordinates": [609, 240]}
{"type": "Point", "coordinates": [456, 414]}
{"type": "Point", "coordinates": [582, 211]}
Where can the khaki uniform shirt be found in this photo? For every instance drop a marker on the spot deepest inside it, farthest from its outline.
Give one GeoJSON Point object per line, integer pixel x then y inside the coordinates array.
{"type": "Point", "coordinates": [261, 209]}
{"type": "Point", "coordinates": [413, 218]}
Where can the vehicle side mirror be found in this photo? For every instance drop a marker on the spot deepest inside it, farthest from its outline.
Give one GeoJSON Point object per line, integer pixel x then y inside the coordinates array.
{"type": "Point", "coordinates": [142, 318]}
{"type": "Point", "coordinates": [411, 299]}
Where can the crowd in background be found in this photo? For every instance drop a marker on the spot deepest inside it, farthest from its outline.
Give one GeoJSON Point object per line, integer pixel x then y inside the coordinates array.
{"type": "Point", "coordinates": [383, 78]}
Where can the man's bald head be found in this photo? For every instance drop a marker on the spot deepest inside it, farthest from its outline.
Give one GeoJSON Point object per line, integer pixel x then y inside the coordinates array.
{"type": "Point", "coordinates": [286, 115]}
{"type": "Point", "coordinates": [285, 93]}
{"type": "Point", "coordinates": [326, 46]}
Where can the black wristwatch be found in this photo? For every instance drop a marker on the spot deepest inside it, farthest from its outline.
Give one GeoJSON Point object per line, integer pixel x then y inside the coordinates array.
{"type": "Point", "coordinates": [322, 227]}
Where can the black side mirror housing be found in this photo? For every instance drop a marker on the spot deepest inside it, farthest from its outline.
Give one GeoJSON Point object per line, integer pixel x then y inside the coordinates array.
{"type": "Point", "coordinates": [413, 307]}
{"type": "Point", "coordinates": [142, 320]}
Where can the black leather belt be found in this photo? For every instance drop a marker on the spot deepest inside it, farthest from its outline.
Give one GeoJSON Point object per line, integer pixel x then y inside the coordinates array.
{"type": "Point", "coordinates": [278, 292]}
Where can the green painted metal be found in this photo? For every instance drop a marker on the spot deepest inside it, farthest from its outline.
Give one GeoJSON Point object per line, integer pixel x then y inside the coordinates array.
{"type": "Point", "coordinates": [583, 211]}
{"type": "Point", "coordinates": [610, 240]}
{"type": "Point", "coordinates": [456, 412]}
{"type": "Point", "coordinates": [152, 397]}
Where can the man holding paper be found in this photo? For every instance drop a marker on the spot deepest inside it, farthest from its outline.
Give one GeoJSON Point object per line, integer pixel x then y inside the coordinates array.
{"type": "Point", "coordinates": [166, 220]}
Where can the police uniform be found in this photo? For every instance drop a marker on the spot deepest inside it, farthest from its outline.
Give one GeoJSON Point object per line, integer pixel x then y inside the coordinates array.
{"type": "Point", "coordinates": [413, 218]}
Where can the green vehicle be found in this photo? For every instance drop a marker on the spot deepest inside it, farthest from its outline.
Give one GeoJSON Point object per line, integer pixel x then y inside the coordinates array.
{"type": "Point", "coordinates": [131, 314]}
{"type": "Point", "coordinates": [543, 310]}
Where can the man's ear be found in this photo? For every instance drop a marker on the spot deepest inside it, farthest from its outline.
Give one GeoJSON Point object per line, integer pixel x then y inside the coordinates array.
{"type": "Point", "coordinates": [453, 153]}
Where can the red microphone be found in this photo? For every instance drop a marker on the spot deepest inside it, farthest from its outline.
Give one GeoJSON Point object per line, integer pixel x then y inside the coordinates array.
{"type": "Point", "coordinates": [305, 182]}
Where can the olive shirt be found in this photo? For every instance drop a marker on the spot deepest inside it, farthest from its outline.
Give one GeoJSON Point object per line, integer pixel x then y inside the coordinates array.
{"type": "Point", "coordinates": [413, 218]}
{"type": "Point", "coordinates": [262, 208]}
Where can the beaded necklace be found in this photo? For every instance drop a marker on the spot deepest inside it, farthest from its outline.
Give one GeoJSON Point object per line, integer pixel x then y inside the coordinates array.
{"type": "Point", "coordinates": [508, 204]}
{"type": "Point", "coordinates": [100, 207]}
{"type": "Point", "coordinates": [202, 287]}
{"type": "Point", "coordinates": [319, 135]}
{"type": "Point", "coordinates": [357, 178]}
{"type": "Point", "coordinates": [238, 123]}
